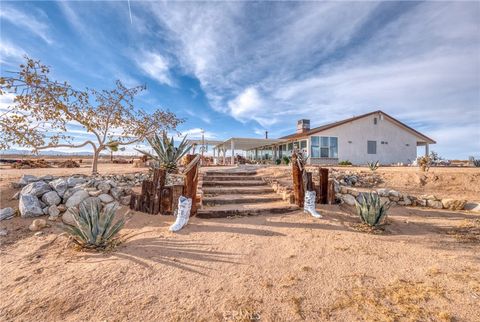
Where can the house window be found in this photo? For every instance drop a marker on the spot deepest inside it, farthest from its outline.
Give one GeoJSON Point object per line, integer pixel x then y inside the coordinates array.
{"type": "Point", "coordinates": [324, 147]}
{"type": "Point", "coordinates": [303, 144]}
{"type": "Point", "coordinates": [375, 120]}
{"type": "Point", "coordinates": [290, 146]}
{"type": "Point", "coordinates": [372, 147]}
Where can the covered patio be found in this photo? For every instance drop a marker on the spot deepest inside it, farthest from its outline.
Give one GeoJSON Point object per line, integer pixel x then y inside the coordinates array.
{"type": "Point", "coordinates": [257, 149]}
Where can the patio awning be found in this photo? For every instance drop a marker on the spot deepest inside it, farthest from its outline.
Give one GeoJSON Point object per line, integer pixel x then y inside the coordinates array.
{"type": "Point", "coordinates": [246, 143]}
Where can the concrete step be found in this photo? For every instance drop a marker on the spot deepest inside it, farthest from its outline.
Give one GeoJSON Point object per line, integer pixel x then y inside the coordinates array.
{"type": "Point", "coordinates": [241, 183]}
{"type": "Point", "coordinates": [246, 209]}
{"type": "Point", "coordinates": [212, 191]}
{"type": "Point", "coordinates": [230, 178]}
{"type": "Point", "coordinates": [240, 199]}
{"type": "Point", "coordinates": [231, 173]}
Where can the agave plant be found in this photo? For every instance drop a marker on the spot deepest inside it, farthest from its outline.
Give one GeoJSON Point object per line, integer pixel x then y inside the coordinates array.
{"type": "Point", "coordinates": [371, 210]}
{"type": "Point", "coordinates": [167, 155]}
{"type": "Point", "coordinates": [476, 163]}
{"type": "Point", "coordinates": [373, 165]}
{"type": "Point", "coordinates": [94, 229]}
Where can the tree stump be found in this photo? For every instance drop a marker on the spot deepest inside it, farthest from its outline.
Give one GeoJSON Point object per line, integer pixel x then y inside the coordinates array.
{"type": "Point", "coordinates": [298, 192]}
{"type": "Point", "coordinates": [191, 180]}
{"type": "Point", "coordinates": [323, 185]}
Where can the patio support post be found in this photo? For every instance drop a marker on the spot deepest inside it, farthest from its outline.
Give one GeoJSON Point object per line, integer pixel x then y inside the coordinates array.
{"type": "Point", "coordinates": [214, 160]}
{"type": "Point", "coordinates": [427, 152]}
{"type": "Point", "coordinates": [232, 147]}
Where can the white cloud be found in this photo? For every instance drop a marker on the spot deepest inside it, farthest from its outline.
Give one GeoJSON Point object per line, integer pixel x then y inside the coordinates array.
{"type": "Point", "coordinates": [196, 133]}
{"type": "Point", "coordinates": [10, 53]}
{"type": "Point", "coordinates": [156, 66]}
{"type": "Point", "coordinates": [28, 22]}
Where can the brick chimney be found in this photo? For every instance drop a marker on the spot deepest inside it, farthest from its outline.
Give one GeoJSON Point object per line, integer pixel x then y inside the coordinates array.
{"type": "Point", "coordinates": [303, 126]}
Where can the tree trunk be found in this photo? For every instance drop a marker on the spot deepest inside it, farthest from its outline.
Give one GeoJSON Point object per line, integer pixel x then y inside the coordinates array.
{"type": "Point", "coordinates": [96, 154]}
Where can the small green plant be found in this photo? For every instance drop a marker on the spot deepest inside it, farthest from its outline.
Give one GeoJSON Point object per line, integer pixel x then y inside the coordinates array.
{"type": "Point", "coordinates": [286, 160]}
{"type": "Point", "coordinates": [94, 229]}
{"type": "Point", "coordinates": [373, 165]}
{"type": "Point", "coordinates": [278, 161]}
{"type": "Point", "coordinates": [345, 162]}
{"type": "Point", "coordinates": [371, 210]}
{"type": "Point", "coordinates": [167, 155]}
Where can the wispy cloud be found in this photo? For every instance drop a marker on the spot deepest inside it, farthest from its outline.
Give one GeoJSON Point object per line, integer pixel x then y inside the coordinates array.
{"type": "Point", "coordinates": [10, 53]}
{"type": "Point", "coordinates": [156, 66]}
{"type": "Point", "coordinates": [27, 21]}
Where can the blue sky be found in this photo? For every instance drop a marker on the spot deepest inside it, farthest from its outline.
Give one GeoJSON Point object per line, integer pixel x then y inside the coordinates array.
{"type": "Point", "coordinates": [240, 68]}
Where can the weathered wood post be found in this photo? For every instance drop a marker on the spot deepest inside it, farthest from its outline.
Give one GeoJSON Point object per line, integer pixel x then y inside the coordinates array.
{"type": "Point", "coordinates": [191, 180]}
{"type": "Point", "coordinates": [331, 192]}
{"type": "Point", "coordinates": [323, 185]}
{"type": "Point", "coordinates": [297, 181]}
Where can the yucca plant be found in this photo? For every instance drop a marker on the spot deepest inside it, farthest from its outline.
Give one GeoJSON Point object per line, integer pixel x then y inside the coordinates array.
{"type": "Point", "coordinates": [476, 163]}
{"type": "Point", "coordinates": [94, 229]}
{"type": "Point", "coordinates": [167, 155]}
{"type": "Point", "coordinates": [373, 165]}
{"type": "Point", "coordinates": [371, 210]}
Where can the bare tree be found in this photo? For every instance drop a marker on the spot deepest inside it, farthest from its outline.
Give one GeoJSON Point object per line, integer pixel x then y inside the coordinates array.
{"type": "Point", "coordinates": [43, 109]}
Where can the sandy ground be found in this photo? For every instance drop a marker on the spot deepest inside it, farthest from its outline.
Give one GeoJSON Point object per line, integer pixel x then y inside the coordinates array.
{"type": "Point", "coordinates": [423, 267]}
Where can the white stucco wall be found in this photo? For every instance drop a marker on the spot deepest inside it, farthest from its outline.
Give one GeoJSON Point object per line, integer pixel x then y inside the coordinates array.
{"type": "Point", "coordinates": [362, 130]}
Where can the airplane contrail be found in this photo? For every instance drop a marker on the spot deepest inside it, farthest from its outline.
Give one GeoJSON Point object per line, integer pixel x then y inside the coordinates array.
{"type": "Point", "coordinates": [130, 12]}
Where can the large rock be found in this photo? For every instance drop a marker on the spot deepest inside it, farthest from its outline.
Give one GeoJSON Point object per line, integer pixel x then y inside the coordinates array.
{"type": "Point", "coordinates": [105, 198]}
{"type": "Point", "coordinates": [349, 200]}
{"type": "Point", "coordinates": [117, 192]}
{"type": "Point", "coordinates": [104, 187]}
{"type": "Point", "coordinates": [472, 206]}
{"type": "Point", "coordinates": [73, 181]}
{"type": "Point", "coordinates": [36, 189]}
{"type": "Point", "coordinates": [30, 206]}
{"type": "Point", "coordinates": [51, 198]}
{"type": "Point", "coordinates": [70, 192]}
{"type": "Point", "coordinates": [95, 193]}
{"type": "Point", "coordinates": [67, 216]}
{"type": "Point", "coordinates": [46, 178]}
{"type": "Point", "coordinates": [53, 211]}
{"type": "Point", "coordinates": [76, 198]}
{"type": "Point", "coordinates": [394, 193]}
{"type": "Point", "coordinates": [453, 204]}
{"type": "Point", "coordinates": [38, 224]}
{"type": "Point", "coordinates": [383, 192]}
{"type": "Point", "coordinates": [434, 204]}
{"type": "Point", "coordinates": [26, 179]}
{"type": "Point", "coordinates": [7, 213]}
{"type": "Point", "coordinates": [59, 185]}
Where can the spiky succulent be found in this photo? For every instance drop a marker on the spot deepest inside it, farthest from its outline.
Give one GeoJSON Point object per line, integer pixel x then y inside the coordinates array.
{"type": "Point", "coordinates": [476, 163]}
{"type": "Point", "coordinates": [371, 210]}
{"type": "Point", "coordinates": [373, 165]}
{"type": "Point", "coordinates": [94, 229]}
{"type": "Point", "coordinates": [167, 155]}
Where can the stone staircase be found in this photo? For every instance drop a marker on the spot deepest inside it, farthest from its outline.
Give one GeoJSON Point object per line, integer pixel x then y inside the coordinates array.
{"type": "Point", "coordinates": [239, 193]}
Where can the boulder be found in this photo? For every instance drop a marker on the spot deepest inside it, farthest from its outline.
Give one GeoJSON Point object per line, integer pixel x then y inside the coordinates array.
{"type": "Point", "coordinates": [46, 178]}
{"type": "Point", "coordinates": [117, 193]}
{"type": "Point", "coordinates": [26, 179]}
{"type": "Point", "coordinates": [421, 203]}
{"type": "Point", "coordinates": [105, 198]}
{"type": "Point", "coordinates": [453, 204]}
{"type": "Point", "coordinates": [38, 224]}
{"type": "Point", "coordinates": [407, 201]}
{"type": "Point", "coordinates": [51, 198]}
{"type": "Point", "coordinates": [383, 192]}
{"type": "Point", "coordinates": [76, 198]}
{"type": "Point", "coordinates": [45, 210]}
{"type": "Point", "coordinates": [349, 200]}
{"type": "Point", "coordinates": [472, 206]}
{"type": "Point", "coordinates": [29, 206]}
{"type": "Point", "coordinates": [36, 189]}
{"type": "Point", "coordinates": [126, 200]}
{"type": "Point", "coordinates": [53, 211]}
{"type": "Point", "coordinates": [394, 193]}
{"type": "Point", "coordinates": [434, 204]}
{"type": "Point", "coordinates": [59, 185]}
{"type": "Point", "coordinates": [70, 193]}
{"type": "Point", "coordinates": [67, 216]}
{"type": "Point", "coordinates": [104, 187]}
{"type": "Point", "coordinates": [7, 213]}
{"type": "Point", "coordinates": [95, 193]}
{"type": "Point", "coordinates": [73, 181]}
{"type": "Point", "coordinates": [62, 207]}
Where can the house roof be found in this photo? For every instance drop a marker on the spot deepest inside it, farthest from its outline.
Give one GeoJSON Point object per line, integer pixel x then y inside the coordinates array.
{"type": "Point", "coordinates": [335, 124]}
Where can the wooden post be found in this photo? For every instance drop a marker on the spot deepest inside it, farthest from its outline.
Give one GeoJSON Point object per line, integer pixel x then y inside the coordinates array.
{"type": "Point", "coordinates": [331, 192]}
{"type": "Point", "coordinates": [191, 182]}
{"type": "Point", "coordinates": [297, 182]}
{"type": "Point", "coordinates": [310, 186]}
{"type": "Point", "coordinates": [323, 189]}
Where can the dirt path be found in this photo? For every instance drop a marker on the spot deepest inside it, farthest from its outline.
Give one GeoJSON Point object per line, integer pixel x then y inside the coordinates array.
{"type": "Point", "coordinates": [282, 268]}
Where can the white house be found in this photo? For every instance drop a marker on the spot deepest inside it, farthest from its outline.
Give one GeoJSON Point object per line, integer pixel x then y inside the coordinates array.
{"type": "Point", "coordinates": [361, 139]}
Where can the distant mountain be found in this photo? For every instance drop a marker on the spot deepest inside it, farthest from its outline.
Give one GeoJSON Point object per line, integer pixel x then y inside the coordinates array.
{"type": "Point", "coordinates": [46, 152]}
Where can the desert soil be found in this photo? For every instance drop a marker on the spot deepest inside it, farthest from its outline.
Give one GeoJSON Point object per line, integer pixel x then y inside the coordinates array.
{"type": "Point", "coordinates": [423, 266]}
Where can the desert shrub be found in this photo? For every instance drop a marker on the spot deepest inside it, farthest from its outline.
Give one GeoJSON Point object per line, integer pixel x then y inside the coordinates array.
{"type": "Point", "coordinates": [94, 229]}
{"type": "Point", "coordinates": [424, 162]}
{"type": "Point", "coordinates": [373, 165]}
{"type": "Point", "coordinates": [278, 161]}
{"type": "Point", "coordinates": [371, 209]}
{"type": "Point", "coordinates": [476, 163]}
{"type": "Point", "coordinates": [344, 162]}
{"type": "Point", "coordinates": [286, 160]}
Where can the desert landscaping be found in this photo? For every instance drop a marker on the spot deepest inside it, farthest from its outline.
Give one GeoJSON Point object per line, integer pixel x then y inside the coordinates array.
{"type": "Point", "coordinates": [423, 264]}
